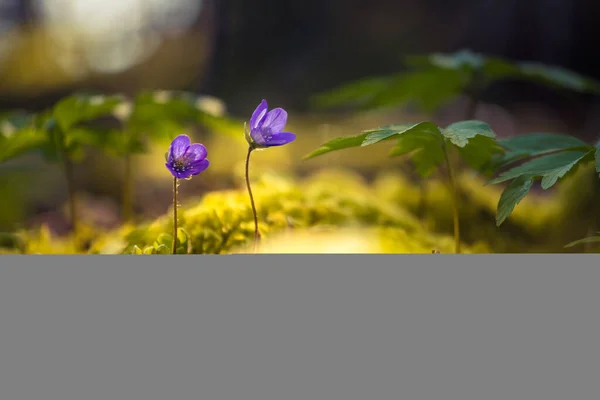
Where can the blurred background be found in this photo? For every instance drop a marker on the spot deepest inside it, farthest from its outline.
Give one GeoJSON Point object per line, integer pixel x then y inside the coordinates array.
{"type": "Point", "coordinates": [242, 51]}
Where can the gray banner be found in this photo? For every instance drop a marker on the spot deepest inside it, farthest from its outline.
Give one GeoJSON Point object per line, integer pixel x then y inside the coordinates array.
{"type": "Point", "coordinates": [287, 327]}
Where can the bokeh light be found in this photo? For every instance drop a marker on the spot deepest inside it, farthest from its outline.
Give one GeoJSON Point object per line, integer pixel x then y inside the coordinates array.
{"type": "Point", "coordinates": [111, 36]}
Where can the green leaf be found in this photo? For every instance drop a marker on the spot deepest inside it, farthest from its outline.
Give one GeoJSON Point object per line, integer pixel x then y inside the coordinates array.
{"type": "Point", "coordinates": [424, 140]}
{"type": "Point", "coordinates": [459, 133]}
{"type": "Point", "coordinates": [557, 77]}
{"type": "Point", "coordinates": [462, 59]}
{"type": "Point", "coordinates": [112, 141]}
{"type": "Point", "coordinates": [163, 239]}
{"type": "Point", "coordinates": [149, 250]}
{"type": "Point", "coordinates": [591, 239]}
{"type": "Point", "coordinates": [474, 64]}
{"type": "Point", "coordinates": [163, 113]}
{"type": "Point", "coordinates": [52, 149]}
{"type": "Point", "coordinates": [426, 151]}
{"type": "Point", "coordinates": [539, 143]}
{"type": "Point", "coordinates": [162, 249]}
{"type": "Point", "coordinates": [182, 236]}
{"type": "Point", "coordinates": [479, 152]}
{"type": "Point", "coordinates": [550, 167]}
{"type": "Point", "coordinates": [496, 69]}
{"type": "Point", "coordinates": [476, 143]}
{"type": "Point", "coordinates": [221, 125]}
{"type": "Point", "coordinates": [392, 131]}
{"type": "Point", "coordinates": [337, 144]}
{"type": "Point", "coordinates": [13, 121]}
{"type": "Point", "coordinates": [76, 152]}
{"type": "Point", "coordinates": [536, 144]}
{"type": "Point", "coordinates": [433, 79]}
{"type": "Point", "coordinates": [597, 157]}
{"type": "Point", "coordinates": [427, 89]}
{"type": "Point", "coordinates": [358, 92]}
{"type": "Point", "coordinates": [136, 250]}
{"type": "Point", "coordinates": [21, 141]}
{"type": "Point", "coordinates": [79, 108]}
{"type": "Point", "coordinates": [511, 196]}
{"type": "Point", "coordinates": [183, 243]}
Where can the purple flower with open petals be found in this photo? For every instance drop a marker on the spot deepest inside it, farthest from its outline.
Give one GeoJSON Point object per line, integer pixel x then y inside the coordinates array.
{"type": "Point", "coordinates": [266, 127]}
{"type": "Point", "coordinates": [184, 159]}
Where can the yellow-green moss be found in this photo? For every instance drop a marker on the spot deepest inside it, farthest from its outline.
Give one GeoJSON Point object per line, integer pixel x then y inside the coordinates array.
{"type": "Point", "coordinates": [338, 205]}
{"type": "Point", "coordinates": [221, 222]}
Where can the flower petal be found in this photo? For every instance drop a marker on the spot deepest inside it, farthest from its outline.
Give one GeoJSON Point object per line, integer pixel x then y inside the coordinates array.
{"type": "Point", "coordinates": [275, 120]}
{"type": "Point", "coordinates": [177, 174]}
{"type": "Point", "coordinates": [257, 137]}
{"type": "Point", "coordinates": [178, 147]}
{"type": "Point", "coordinates": [259, 114]}
{"type": "Point", "coordinates": [198, 167]}
{"type": "Point", "coordinates": [281, 138]}
{"type": "Point", "coordinates": [196, 152]}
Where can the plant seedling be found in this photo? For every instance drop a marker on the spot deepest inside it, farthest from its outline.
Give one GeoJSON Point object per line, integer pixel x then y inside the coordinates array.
{"type": "Point", "coordinates": [429, 146]}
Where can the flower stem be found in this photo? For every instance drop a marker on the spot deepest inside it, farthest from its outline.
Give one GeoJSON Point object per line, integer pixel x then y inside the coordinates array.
{"type": "Point", "coordinates": [454, 189]}
{"type": "Point", "coordinates": [256, 233]}
{"type": "Point", "coordinates": [174, 215]}
{"type": "Point", "coordinates": [127, 190]}
{"type": "Point", "coordinates": [71, 193]}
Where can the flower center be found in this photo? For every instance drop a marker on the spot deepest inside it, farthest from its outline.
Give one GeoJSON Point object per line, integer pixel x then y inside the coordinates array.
{"type": "Point", "coordinates": [179, 166]}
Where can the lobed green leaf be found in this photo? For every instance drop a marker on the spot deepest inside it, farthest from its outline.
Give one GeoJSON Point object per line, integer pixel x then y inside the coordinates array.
{"type": "Point", "coordinates": [557, 77]}
{"type": "Point", "coordinates": [479, 152]}
{"type": "Point", "coordinates": [337, 144]}
{"type": "Point", "coordinates": [426, 151]}
{"type": "Point", "coordinates": [511, 196]}
{"type": "Point", "coordinates": [550, 167]}
{"type": "Point", "coordinates": [78, 108]}
{"type": "Point", "coordinates": [388, 132]}
{"type": "Point", "coordinates": [536, 144]}
{"type": "Point", "coordinates": [19, 142]}
{"type": "Point", "coordinates": [356, 93]}
{"type": "Point", "coordinates": [459, 133]}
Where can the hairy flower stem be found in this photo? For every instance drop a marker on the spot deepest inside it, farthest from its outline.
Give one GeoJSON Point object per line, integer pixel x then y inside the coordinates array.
{"type": "Point", "coordinates": [454, 189]}
{"type": "Point", "coordinates": [256, 233]}
{"type": "Point", "coordinates": [127, 190]}
{"type": "Point", "coordinates": [71, 193]}
{"type": "Point", "coordinates": [175, 184]}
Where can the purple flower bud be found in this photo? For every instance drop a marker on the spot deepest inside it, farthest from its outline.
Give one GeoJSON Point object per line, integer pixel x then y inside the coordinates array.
{"type": "Point", "coordinates": [265, 129]}
{"type": "Point", "coordinates": [184, 159]}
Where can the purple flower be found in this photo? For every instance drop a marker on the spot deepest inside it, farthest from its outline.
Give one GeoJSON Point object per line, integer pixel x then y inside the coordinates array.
{"type": "Point", "coordinates": [266, 128]}
{"type": "Point", "coordinates": [185, 160]}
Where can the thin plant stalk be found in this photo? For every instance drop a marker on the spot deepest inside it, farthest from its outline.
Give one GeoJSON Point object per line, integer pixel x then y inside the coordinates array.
{"type": "Point", "coordinates": [452, 159]}
{"type": "Point", "coordinates": [68, 165]}
{"type": "Point", "coordinates": [472, 104]}
{"type": "Point", "coordinates": [175, 184]}
{"type": "Point", "coordinates": [587, 246]}
{"type": "Point", "coordinates": [454, 190]}
{"type": "Point", "coordinates": [255, 215]}
{"type": "Point", "coordinates": [127, 189]}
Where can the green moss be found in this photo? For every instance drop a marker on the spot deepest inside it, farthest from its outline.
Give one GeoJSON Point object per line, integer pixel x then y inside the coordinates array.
{"type": "Point", "coordinates": [525, 231]}
{"type": "Point", "coordinates": [221, 222]}
{"type": "Point", "coordinates": [381, 218]}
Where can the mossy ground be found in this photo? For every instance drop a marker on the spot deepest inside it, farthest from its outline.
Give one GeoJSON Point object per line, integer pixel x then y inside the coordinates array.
{"type": "Point", "coordinates": [382, 209]}
{"type": "Point", "coordinates": [338, 211]}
